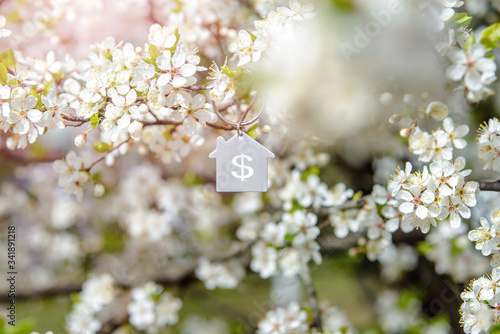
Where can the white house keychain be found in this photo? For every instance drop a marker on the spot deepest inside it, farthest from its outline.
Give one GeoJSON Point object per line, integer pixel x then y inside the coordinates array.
{"type": "Point", "coordinates": [241, 162]}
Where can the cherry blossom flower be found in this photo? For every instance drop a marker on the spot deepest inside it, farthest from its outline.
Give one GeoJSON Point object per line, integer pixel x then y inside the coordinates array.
{"type": "Point", "coordinates": [472, 67]}
{"type": "Point", "coordinates": [3, 31]}
{"type": "Point", "coordinates": [397, 179]}
{"type": "Point", "coordinates": [72, 175]}
{"type": "Point", "coordinates": [264, 260]}
{"type": "Point", "coordinates": [416, 199]}
{"type": "Point", "coordinates": [24, 117]}
{"type": "Point", "coordinates": [194, 110]}
{"type": "Point", "coordinates": [456, 133]}
{"type": "Point", "coordinates": [247, 49]}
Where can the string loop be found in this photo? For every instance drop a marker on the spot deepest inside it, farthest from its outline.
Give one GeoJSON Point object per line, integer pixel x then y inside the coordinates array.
{"type": "Point", "coordinates": [239, 124]}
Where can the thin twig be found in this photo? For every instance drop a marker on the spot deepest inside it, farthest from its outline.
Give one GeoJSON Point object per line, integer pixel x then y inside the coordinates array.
{"type": "Point", "coordinates": [74, 121]}
{"type": "Point", "coordinates": [221, 127]}
{"type": "Point", "coordinates": [164, 122]}
{"type": "Point", "coordinates": [105, 154]}
{"type": "Point", "coordinates": [250, 105]}
{"type": "Point", "coordinates": [311, 296]}
{"type": "Point", "coordinates": [196, 87]}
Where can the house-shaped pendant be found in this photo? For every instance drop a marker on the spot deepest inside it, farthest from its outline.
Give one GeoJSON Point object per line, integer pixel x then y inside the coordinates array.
{"type": "Point", "coordinates": [241, 164]}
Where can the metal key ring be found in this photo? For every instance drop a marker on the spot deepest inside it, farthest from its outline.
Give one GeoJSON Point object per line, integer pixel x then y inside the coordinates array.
{"type": "Point", "coordinates": [237, 124]}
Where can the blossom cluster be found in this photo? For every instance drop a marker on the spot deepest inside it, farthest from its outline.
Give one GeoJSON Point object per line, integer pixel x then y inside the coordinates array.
{"type": "Point", "coordinates": [150, 309]}
{"type": "Point", "coordinates": [452, 253]}
{"type": "Point", "coordinates": [286, 245]}
{"type": "Point", "coordinates": [487, 238]}
{"type": "Point", "coordinates": [30, 103]}
{"type": "Point", "coordinates": [294, 320]}
{"type": "Point", "coordinates": [284, 320]}
{"type": "Point", "coordinates": [471, 65]}
{"type": "Point", "coordinates": [489, 144]}
{"type": "Point", "coordinates": [224, 275]}
{"type": "Point", "coordinates": [97, 292]}
{"type": "Point", "coordinates": [438, 145]}
{"type": "Point", "coordinates": [439, 194]}
{"type": "Point", "coordinates": [250, 45]}
{"type": "Point", "coordinates": [473, 69]}
{"type": "Point", "coordinates": [479, 310]}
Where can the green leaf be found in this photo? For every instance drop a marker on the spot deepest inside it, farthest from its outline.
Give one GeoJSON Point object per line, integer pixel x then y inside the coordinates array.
{"type": "Point", "coordinates": [179, 4]}
{"type": "Point", "coordinates": [108, 55]}
{"type": "Point", "coordinates": [289, 237]}
{"type": "Point", "coordinates": [357, 195]}
{"type": "Point", "coordinates": [345, 5]}
{"type": "Point", "coordinates": [190, 179]}
{"type": "Point", "coordinates": [7, 58]}
{"type": "Point", "coordinates": [407, 298]}
{"type": "Point", "coordinates": [490, 37]}
{"type": "Point", "coordinates": [424, 247]}
{"type": "Point", "coordinates": [252, 35]}
{"type": "Point", "coordinates": [24, 326]}
{"type": "Point", "coordinates": [177, 37]}
{"type": "Point", "coordinates": [296, 206]}
{"type": "Point", "coordinates": [13, 82]}
{"type": "Point", "coordinates": [94, 120]}
{"type": "Point", "coordinates": [459, 20]}
{"type": "Point", "coordinates": [102, 147]}
{"type": "Point", "coordinates": [96, 177]}
{"type": "Point", "coordinates": [313, 170]}
{"type": "Point", "coordinates": [75, 297]}
{"type": "Point", "coordinates": [495, 329]}
{"type": "Point", "coordinates": [39, 103]}
{"type": "Point", "coordinates": [154, 52]}
{"type": "Point", "coordinates": [167, 134]}
{"type": "Point", "coordinates": [229, 72]}
{"type": "Point", "coordinates": [3, 74]}
{"type": "Point", "coordinates": [48, 87]}
{"type": "Point", "coordinates": [252, 132]}
{"type": "Point", "coordinates": [471, 40]}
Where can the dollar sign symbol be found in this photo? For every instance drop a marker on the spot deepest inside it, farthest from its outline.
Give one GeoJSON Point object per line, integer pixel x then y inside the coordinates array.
{"type": "Point", "coordinates": [245, 171]}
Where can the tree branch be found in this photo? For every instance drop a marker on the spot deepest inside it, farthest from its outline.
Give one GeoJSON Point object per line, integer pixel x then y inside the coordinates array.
{"type": "Point", "coordinates": [221, 127]}
{"type": "Point", "coordinates": [181, 277]}
{"type": "Point", "coordinates": [490, 186]}
{"type": "Point", "coordinates": [74, 121]}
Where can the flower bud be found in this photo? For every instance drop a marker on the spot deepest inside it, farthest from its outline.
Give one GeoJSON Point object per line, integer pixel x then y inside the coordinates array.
{"type": "Point", "coordinates": [386, 99]}
{"type": "Point", "coordinates": [135, 129]}
{"type": "Point", "coordinates": [409, 99]}
{"type": "Point", "coordinates": [437, 110]}
{"type": "Point", "coordinates": [405, 132]}
{"type": "Point", "coordinates": [396, 118]}
{"type": "Point", "coordinates": [265, 129]}
{"type": "Point", "coordinates": [81, 140]}
{"type": "Point", "coordinates": [98, 190]}
{"type": "Point", "coordinates": [18, 93]}
{"type": "Point", "coordinates": [12, 143]}
{"type": "Point", "coordinates": [425, 96]}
